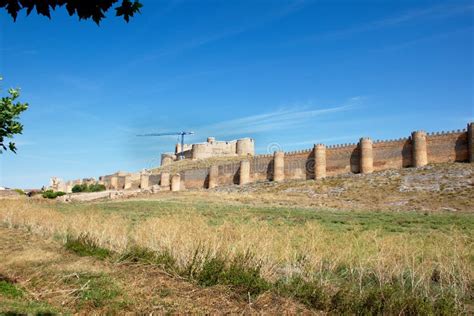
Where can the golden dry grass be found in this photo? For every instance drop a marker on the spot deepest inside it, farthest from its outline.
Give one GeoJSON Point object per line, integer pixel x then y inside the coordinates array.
{"type": "Point", "coordinates": [44, 278]}
{"type": "Point", "coordinates": [410, 260]}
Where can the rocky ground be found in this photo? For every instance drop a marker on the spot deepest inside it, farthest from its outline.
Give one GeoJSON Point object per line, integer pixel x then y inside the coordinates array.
{"type": "Point", "coordinates": [448, 187]}
{"type": "Point", "coordinates": [440, 187]}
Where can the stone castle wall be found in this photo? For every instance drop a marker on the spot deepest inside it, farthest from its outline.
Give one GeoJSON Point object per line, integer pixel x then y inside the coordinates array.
{"type": "Point", "coordinates": [363, 157]}
{"type": "Point", "coordinates": [345, 158]}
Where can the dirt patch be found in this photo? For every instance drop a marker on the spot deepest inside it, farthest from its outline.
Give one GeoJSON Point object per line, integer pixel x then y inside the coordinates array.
{"type": "Point", "coordinates": [7, 279]}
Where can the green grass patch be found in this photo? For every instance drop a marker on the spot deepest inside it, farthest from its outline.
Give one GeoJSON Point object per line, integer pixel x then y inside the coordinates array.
{"type": "Point", "coordinates": [21, 307]}
{"type": "Point", "coordinates": [9, 290]}
{"type": "Point", "coordinates": [85, 245]}
{"type": "Point", "coordinates": [13, 301]}
{"type": "Point", "coordinates": [96, 290]}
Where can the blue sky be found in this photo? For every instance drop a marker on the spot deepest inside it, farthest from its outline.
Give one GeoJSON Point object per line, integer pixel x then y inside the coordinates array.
{"type": "Point", "coordinates": [288, 72]}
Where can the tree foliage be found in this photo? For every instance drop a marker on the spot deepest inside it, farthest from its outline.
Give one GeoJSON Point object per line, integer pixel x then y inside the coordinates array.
{"type": "Point", "coordinates": [9, 114]}
{"type": "Point", "coordinates": [84, 9]}
{"type": "Point", "coordinates": [88, 188]}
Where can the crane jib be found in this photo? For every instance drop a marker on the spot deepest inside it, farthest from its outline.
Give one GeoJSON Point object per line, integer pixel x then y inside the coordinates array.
{"type": "Point", "coordinates": [181, 156]}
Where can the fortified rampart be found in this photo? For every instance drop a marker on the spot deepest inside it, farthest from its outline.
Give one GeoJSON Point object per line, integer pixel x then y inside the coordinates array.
{"type": "Point", "coordinates": [321, 161]}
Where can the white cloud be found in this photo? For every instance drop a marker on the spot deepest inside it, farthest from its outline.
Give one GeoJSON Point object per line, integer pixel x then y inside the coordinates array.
{"type": "Point", "coordinates": [434, 12]}
{"type": "Point", "coordinates": [433, 37]}
{"type": "Point", "coordinates": [283, 118]}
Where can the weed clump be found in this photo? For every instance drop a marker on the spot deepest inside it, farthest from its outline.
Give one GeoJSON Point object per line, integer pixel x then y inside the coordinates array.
{"type": "Point", "coordinates": [240, 273]}
{"type": "Point", "coordinates": [85, 245]}
{"type": "Point", "coordinates": [139, 254]}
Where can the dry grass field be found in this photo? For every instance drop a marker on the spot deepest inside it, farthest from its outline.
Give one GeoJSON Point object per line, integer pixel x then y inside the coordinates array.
{"type": "Point", "coordinates": [395, 242]}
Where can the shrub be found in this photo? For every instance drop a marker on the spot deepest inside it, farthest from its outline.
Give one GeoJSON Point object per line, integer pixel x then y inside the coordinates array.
{"type": "Point", "coordinates": [50, 194]}
{"type": "Point", "coordinates": [307, 292]}
{"type": "Point", "coordinates": [211, 271]}
{"type": "Point", "coordinates": [243, 275]}
{"type": "Point", "coordinates": [97, 187]}
{"type": "Point", "coordinates": [88, 188]}
{"type": "Point", "coordinates": [79, 188]}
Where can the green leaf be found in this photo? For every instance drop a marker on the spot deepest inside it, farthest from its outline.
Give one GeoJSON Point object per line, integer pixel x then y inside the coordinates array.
{"type": "Point", "coordinates": [9, 119]}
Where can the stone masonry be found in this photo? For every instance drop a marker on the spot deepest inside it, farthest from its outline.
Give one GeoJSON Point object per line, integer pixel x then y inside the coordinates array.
{"type": "Point", "coordinates": [211, 148]}
{"type": "Point", "coordinates": [417, 150]}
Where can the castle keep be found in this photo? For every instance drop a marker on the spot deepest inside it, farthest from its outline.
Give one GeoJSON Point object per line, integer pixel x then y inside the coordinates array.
{"type": "Point", "coordinates": [211, 148]}
{"type": "Point", "coordinates": [366, 156]}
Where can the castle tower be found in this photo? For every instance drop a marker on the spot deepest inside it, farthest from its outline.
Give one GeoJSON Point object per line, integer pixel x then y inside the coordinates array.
{"type": "Point", "coordinates": [320, 161]}
{"type": "Point", "coordinates": [165, 181]}
{"type": "Point", "coordinates": [366, 155]}
{"type": "Point", "coordinates": [114, 182]}
{"type": "Point", "coordinates": [278, 166]}
{"type": "Point", "coordinates": [144, 180]}
{"type": "Point", "coordinates": [420, 153]}
{"type": "Point", "coordinates": [470, 141]}
{"type": "Point", "coordinates": [166, 159]}
{"type": "Point", "coordinates": [244, 172]}
{"type": "Point", "coordinates": [201, 151]}
{"type": "Point", "coordinates": [213, 176]}
{"type": "Point", "coordinates": [245, 146]}
{"type": "Point", "coordinates": [128, 182]}
{"type": "Point", "coordinates": [175, 182]}
{"type": "Point", "coordinates": [69, 187]}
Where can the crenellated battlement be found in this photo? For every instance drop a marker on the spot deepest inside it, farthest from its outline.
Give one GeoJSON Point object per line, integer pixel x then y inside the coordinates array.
{"type": "Point", "coordinates": [366, 156]}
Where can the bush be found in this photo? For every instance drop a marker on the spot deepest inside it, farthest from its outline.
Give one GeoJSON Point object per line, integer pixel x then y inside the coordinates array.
{"type": "Point", "coordinates": [309, 293]}
{"type": "Point", "coordinates": [97, 187]}
{"type": "Point", "coordinates": [243, 275]}
{"type": "Point", "coordinates": [50, 194]}
{"type": "Point", "coordinates": [88, 188]}
{"type": "Point", "coordinates": [79, 188]}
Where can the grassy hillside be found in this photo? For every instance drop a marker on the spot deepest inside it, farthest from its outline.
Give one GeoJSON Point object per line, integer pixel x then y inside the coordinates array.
{"type": "Point", "coordinates": [440, 187]}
